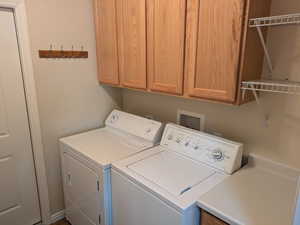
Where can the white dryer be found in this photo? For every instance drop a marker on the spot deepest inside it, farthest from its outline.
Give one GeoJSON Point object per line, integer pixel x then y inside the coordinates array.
{"type": "Point", "coordinates": [86, 161]}
{"type": "Point", "coordinates": [160, 186]}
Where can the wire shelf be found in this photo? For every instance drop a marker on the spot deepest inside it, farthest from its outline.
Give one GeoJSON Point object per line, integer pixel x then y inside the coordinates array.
{"type": "Point", "coordinates": [275, 20]}
{"type": "Point", "coordinates": [275, 86]}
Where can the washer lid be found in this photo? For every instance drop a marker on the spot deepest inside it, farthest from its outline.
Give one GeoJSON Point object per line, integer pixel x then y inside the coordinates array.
{"type": "Point", "coordinates": [106, 145]}
{"type": "Point", "coordinates": [172, 172]}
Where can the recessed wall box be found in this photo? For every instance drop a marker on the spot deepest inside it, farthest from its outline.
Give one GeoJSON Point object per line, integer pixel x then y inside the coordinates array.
{"type": "Point", "coordinates": [191, 120]}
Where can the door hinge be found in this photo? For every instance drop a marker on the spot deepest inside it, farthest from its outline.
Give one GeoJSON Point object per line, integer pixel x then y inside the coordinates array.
{"type": "Point", "coordinates": [98, 185]}
{"type": "Point", "coordinates": [99, 219]}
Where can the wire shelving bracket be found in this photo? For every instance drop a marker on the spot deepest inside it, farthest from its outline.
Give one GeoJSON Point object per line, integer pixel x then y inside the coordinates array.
{"type": "Point", "coordinates": [275, 20]}
{"type": "Point", "coordinates": [258, 23]}
{"type": "Point", "coordinates": [275, 86]}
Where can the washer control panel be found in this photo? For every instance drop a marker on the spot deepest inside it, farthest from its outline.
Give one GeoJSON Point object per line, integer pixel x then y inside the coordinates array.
{"type": "Point", "coordinates": [217, 152]}
{"type": "Point", "coordinates": [135, 125]}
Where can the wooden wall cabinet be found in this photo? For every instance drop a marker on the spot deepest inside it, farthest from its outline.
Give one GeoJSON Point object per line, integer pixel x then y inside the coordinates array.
{"type": "Point", "coordinates": [107, 48]}
{"type": "Point", "coordinates": [208, 219]}
{"type": "Point", "coordinates": [131, 23]}
{"type": "Point", "coordinates": [200, 49]}
{"type": "Point", "coordinates": [166, 44]}
{"type": "Point", "coordinates": [121, 42]}
{"type": "Point", "coordinates": [214, 36]}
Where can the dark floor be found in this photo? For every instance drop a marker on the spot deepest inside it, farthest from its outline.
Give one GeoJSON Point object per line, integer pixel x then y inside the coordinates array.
{"type": "Point", "coordinates": [61, 222]}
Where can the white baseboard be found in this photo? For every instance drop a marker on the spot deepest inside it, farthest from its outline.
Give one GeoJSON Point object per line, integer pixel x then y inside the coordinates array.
{"type": "Point", "coordinates": [57, 216]}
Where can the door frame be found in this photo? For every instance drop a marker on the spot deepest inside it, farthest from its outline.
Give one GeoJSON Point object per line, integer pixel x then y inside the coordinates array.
{"type": "Point", "coordinates": [19, 8]}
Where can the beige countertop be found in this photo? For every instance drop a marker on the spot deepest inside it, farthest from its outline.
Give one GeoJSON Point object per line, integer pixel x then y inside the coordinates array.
{"type": "Point", "coordinates": [262, 193]}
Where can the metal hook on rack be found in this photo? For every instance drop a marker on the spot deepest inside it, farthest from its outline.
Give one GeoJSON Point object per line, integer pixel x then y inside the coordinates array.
{"type": "Point", "coordinates": [72, 56]}
{"type": "Point", "coordinates": [62, 51]}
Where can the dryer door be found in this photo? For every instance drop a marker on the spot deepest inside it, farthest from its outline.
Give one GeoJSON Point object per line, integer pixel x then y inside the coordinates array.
{"type": "Point", "coordinates": [83, 193]}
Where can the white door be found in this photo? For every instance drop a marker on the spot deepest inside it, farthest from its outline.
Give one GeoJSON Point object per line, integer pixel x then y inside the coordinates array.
{"type": "Point", "coordinates": [19, 203]}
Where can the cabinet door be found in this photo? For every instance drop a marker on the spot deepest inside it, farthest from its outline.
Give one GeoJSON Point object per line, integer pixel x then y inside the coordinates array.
{"type": "Point", "coordinates": [166, 34]}
{"type": "Point", "coordinates": [131, 16]}
{"type": "Point", "coordinates": [107, 47]}
{"type": "Point", "coordinates": [213, 48]}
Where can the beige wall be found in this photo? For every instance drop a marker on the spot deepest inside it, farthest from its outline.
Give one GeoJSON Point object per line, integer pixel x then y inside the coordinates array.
{"type": "Point", "coordinates": [279, 141]}
{"type": "Point", "coordinates": [70, 99]}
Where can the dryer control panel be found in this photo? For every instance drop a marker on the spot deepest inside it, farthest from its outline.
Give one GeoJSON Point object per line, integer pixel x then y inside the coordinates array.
{"type": "Point", "coordinates": [217, 152]}
{"type": "Point", "coordinates": [147, 129]}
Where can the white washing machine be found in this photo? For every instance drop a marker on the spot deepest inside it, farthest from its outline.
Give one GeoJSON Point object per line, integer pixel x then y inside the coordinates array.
{"type": "Point", "coordinates": [86, 161]}
{"type": "Point", "coordinates": [160, 186]}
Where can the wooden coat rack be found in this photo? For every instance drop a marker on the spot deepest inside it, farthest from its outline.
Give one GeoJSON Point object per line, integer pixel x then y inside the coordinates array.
{"type": "Point", "coordinates": [63, 54]}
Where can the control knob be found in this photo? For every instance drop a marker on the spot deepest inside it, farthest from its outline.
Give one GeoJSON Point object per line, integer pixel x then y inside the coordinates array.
{"type": "Point", "coordinates": [170, 137]}
{"type": "Point", "coordinates": [114, 118]}
{"type": "Point", "coordinates": [217, 155]}
{"type": "Point", "coordinates": [148, 130]}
